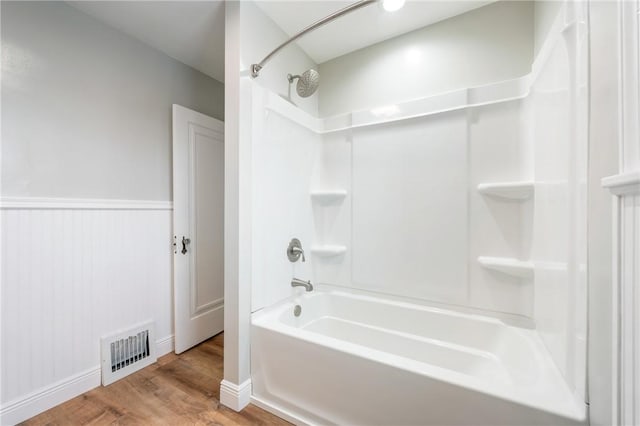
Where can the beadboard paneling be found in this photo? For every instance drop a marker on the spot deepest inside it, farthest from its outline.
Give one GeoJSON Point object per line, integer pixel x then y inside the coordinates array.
{"type": "Point", "coordinates": [71, 275]}
{"type": "Point", "coordinates": [629, 249]}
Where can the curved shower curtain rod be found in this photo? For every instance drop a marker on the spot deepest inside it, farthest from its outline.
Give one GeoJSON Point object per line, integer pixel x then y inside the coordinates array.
{"type": "Point", "coordinates": [255, 68]}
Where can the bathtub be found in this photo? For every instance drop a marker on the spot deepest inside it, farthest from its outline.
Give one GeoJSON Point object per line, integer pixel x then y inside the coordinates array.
{"type": "Point", "coordinates": [356, 359]}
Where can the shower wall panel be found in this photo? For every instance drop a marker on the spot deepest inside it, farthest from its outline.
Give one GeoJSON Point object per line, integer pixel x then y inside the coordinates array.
{"type": "Point", "coordinates": [413, 222]}
{"type": "Point", "coordinates": [410, 208]}
{"type": "Point", "coordinates": [284, 158]}
{"type": "Point", "coordinates": [559, 247]}
{"type": "Point", "coordinates": [499, 152]}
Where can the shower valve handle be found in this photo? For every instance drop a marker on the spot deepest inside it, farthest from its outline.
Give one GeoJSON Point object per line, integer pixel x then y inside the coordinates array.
{"type": "Point", "coordinates": [294, 251]}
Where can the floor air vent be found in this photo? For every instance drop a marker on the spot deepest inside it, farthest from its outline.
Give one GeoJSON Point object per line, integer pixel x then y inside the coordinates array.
{"type": "Point", "coordinates": [127, 351]}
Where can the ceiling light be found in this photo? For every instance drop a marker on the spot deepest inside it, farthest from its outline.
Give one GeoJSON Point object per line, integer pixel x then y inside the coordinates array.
{"type": "Point", "coordinates": [392, 5]}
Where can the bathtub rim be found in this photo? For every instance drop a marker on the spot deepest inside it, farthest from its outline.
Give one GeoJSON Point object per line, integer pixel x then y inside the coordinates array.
{"type": "Point", "coordinates": [515, 320]}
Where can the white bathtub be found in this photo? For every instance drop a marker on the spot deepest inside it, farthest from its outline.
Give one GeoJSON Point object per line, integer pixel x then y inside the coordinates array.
{"type": "Point", "coordinates": [353, 359]}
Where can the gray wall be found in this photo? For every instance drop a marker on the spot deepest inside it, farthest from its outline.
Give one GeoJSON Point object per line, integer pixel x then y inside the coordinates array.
{"type": "Point", "coordinates": [86, 110]}
{"type": "Point", "coordinates": [483, 46]}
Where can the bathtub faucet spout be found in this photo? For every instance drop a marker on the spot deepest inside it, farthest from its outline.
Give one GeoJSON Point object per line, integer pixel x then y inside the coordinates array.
{"type": "Point", "coordinates": [296, 282]}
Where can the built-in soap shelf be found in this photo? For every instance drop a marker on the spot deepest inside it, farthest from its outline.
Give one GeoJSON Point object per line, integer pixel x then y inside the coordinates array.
{"type": "Point", "coordinates": [328, 250]}
{"type": "Point", "coordinates": [328, 196]}
{"type": "Point", "coordinates": [519, 190]}
{"type": "Point", "coordinates": [507, 265]}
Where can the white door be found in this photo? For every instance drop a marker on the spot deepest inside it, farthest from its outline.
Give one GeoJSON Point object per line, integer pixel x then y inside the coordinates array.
{"type": "Point", "coordinates": [198, 226]}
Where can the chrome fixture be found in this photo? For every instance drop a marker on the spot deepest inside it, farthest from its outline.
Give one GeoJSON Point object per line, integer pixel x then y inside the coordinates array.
{"type": "Point", "coordinates": [294, 251]}
{"type": "Point", "coordinates": [307, 82]}
{"type": "Point", "coordinates": [255, 68]}
{"type": "Point", "coordinates": [300, 283]}
{"type": "Point", "coordinates": [297, 310]}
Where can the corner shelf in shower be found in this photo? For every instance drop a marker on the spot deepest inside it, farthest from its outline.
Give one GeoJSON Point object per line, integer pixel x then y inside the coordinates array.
{"type": "Point", "coordinates": [328, 250]}
{"type": "Point", "coordinates": [329, 196]}
{"type": "Point", "coordinates": [507, 265]}
{"type": "Point", "coordinates": [520, 190]}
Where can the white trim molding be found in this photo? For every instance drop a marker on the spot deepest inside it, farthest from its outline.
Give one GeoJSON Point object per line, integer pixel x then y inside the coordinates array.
{"type": "Point", "coordinates": [40, 203]}
{"type": "Point", "coordinates": [625, 186]}
{"type": "Point", "coordinates": [235, 396]}
{"type": "Point", "coordinates": [24, 408]}
{"type": "Point", "coordinates": [280, 412]}
{"type": "Point", "coordinates": [164, 345]}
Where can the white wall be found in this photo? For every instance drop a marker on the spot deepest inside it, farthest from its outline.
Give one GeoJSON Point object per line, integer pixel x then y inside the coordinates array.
{"type": "Point", "coordinates": [235, 389]}
{"type": "Point", "coordinates": [485, 45]}
{"type": "Point", "coordinates": [545, 13]}
{"type": "Point", "coordinates": [603, 162]}
{"type": "Point", "coordinates": [259, 36]}
{"type": "Point", "coordinates": [86, 115]}
{"type": "Point", "coordinates": [87, 110]}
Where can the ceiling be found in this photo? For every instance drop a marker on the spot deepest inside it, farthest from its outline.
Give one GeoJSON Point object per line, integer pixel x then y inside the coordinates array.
{"type": "Point", "coordinates": [192, 32]}
{"type": "Point", "coordinates": [361, 28]}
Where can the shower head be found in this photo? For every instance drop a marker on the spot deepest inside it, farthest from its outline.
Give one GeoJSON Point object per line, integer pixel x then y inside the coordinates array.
{"type": "Point", "coordinates": [307, 82]}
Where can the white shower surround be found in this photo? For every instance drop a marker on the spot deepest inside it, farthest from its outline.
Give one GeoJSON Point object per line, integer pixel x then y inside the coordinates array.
{"type": "Point", "coordinates": [310, 157]}
{"type": "Point", "coordinates": [563, 334]}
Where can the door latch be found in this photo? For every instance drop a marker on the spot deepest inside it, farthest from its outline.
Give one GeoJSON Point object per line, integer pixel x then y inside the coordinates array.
{"type": "Point", "coordinates": [185, 241]}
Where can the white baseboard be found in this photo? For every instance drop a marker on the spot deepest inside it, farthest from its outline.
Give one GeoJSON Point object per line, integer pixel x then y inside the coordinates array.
{"type": "Point", "coordinates": [164, 345]}
{"type": "Point", "coordinates": [280, 412]}
{"type": "Point", "coordinates": [25, 407]}
{"type": "Point", "coordinates": [235, 396]}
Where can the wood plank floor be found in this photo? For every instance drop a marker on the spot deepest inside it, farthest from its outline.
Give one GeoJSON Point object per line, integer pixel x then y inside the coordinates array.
{"type": "Point", "coordinates": [177, 390]}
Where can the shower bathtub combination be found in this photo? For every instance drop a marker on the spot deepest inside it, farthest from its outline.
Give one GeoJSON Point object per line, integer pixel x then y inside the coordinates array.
{"type": "Point", "coordinates": [397, 208]}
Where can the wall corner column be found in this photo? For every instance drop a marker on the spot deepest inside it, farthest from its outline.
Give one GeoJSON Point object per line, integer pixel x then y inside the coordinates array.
{"type": "Point", "coordinates": [235, 389]}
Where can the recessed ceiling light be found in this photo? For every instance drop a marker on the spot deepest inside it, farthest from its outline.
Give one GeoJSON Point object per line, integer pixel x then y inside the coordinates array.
{"type": "Point", "coordinates": [392, 5]}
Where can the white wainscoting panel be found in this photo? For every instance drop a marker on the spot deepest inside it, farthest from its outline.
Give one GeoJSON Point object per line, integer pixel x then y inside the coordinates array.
{"type": "Point", "coordinates": [72, 272]}
{"type": "Point", "coordinates": [629, 275]}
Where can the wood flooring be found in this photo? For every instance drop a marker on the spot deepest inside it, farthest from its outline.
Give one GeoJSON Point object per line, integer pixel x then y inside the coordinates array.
{"type": "Point", "coordinates": [177, 390]}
